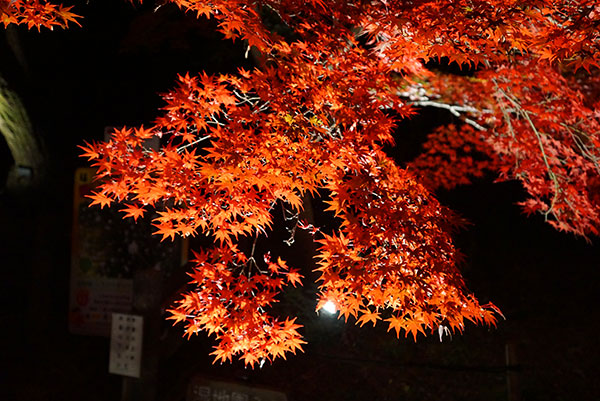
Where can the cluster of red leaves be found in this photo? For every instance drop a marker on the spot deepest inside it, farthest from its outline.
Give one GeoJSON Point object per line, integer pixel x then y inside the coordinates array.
{"type": "Point", "coordinates": [453, 155]}
{"type": "Point", "coordinates": [478, 31]}
{"type": "Point", "coordinates": [230, 303]}
{"type": "Point", "coordinates": [537, 127]}
{"type": "Point", "coordinates": [36, 14]}
{"type": "Point", "coordinates": [314, 118]}
{"type": "Point", "coordinates": [393, 252]}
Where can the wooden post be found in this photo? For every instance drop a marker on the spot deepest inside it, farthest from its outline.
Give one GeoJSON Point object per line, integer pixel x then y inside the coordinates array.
{"type": "Point", "coordinates": [147, 296]}
{"type": "Point", "coordinates": [512, 374]}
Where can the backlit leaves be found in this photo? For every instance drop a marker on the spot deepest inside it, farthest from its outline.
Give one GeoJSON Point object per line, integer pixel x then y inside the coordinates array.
{"type": "Point", "coordinates": [229, 303]}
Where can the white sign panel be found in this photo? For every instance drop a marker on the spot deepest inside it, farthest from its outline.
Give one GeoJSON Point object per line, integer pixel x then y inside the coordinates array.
{"type": "Point", "coordinates": [126, 344]}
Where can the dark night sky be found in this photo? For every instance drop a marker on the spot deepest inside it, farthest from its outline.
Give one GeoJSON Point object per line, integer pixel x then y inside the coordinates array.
{"type": "Point", "coordinates": [109, 73]}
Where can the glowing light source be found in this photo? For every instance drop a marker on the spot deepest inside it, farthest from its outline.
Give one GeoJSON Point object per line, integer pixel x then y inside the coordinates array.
{"type": "Point", "coordinates": [329, 307]}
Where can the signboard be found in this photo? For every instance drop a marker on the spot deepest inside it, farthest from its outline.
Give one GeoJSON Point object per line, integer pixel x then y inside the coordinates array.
{"type": "Point", "coordinates": [106, 251]}
{"type": "Point", "coordinates": [126, 345]}
{"type": "Point", "coordinates": [98, 287]}
{"type": "Point", "coordinates": [203, 389]}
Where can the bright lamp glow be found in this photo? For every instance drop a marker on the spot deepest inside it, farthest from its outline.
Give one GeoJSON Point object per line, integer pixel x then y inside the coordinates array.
{"type": "Point", "coordinates": [329, 307]}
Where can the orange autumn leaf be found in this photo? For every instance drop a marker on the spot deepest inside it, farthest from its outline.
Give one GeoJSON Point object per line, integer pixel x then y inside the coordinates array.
{"type": "Point", "coordinates": [134, 211]}
{"type": "Point", "coordinates": [368, 316]}
{"type": "Point", "coordinates": [100, 198]}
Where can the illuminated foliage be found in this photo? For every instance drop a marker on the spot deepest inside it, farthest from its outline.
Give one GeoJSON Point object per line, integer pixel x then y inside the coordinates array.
{"type": "Point", "coordinates": [36, 13]}
{"type": "Point", "coordinates": [313, 118]}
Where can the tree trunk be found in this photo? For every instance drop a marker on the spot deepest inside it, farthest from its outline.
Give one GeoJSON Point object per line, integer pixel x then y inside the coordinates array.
{"type": "Point", "coordinates": [26, 148]}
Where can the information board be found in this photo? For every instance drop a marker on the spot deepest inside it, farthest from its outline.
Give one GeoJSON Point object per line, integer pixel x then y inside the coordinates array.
{"type": "Point", "coordinates": [106, 251]}
{"type": "Point", "coordinates": [204, 389]}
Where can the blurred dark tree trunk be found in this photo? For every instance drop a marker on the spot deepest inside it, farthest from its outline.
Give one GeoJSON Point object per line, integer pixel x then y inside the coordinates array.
{"type": "Point", "coordinates": [24, 143]}
{"type": "Point", "coordinates": [25, 146]}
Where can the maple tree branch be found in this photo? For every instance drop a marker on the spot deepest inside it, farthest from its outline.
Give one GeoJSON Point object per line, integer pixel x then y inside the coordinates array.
{"type": "Point", "coordinates": [197, 141]}
{"type": "Point", "coordinates": [511, 131]}
{"type": "Point", "coordinates": [551, 173]}
{"type": "Point", "coordinates": [245, 98]}
{"type": "Point", "coordinates": [253, 246]}
{"type": "Point", "coordinates": [474, 124]}
{"type": "Point", "coordinates": [454, 109]}
{"type": "Point", "coordinates": [585, 151]}
{"type": "Point", "coordinates": [252, 261]}
{"type": "Point", "coordinates": [215, 121]}
{"type": "Point", "coordinates": [292, 230]}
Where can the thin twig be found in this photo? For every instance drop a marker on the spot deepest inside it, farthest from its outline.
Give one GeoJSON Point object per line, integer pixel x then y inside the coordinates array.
{"type": "Point", "coordinates": [197, 141]}
{"type": "Point", "coordinates": [551, 174]}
